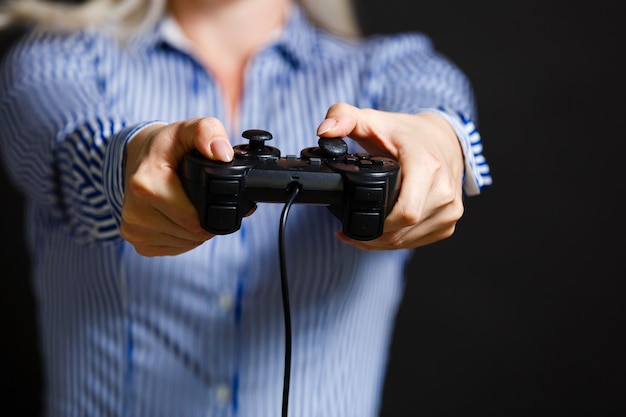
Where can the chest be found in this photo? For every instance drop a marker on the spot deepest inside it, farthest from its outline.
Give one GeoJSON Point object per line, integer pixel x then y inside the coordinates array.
{"type": "Point", "coordinates": [276, 95]}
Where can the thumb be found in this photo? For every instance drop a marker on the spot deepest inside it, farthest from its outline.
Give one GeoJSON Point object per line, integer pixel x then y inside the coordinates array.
{"type": "Point", "coordinates": [362, 125]}
{"type": "Point", "coordinates": [208, 136]}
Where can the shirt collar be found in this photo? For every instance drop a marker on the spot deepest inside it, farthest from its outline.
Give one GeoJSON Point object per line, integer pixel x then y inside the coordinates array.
{"type": "Point", "coordinates": [296, 41]}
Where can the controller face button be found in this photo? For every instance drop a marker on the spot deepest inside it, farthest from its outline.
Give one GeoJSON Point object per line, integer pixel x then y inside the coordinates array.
{"type": "Point", "coordinates": [369, 194]}
{"type": "Point", "coordinates": [224, 187]}
{"type": "Point", "coordinates": [365, 223]}
{"type": "Point", "coordinates": [316, 162]}
{"type": "Point", "coordinates": [365, 164]}
{"type": "Point", "coordinates": [222, 218]}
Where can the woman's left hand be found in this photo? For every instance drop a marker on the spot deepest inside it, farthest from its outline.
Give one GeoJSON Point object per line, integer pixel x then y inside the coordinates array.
{"type": "Point", "coordinates": [430, 202]}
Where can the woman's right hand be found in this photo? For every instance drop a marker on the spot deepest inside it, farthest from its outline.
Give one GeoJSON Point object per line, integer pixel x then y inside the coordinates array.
{"type": "Point", "coordinates": [157, 216]}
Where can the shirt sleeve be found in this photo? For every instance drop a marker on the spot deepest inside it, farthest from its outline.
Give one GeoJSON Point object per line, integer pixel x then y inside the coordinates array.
{"type": "Point", "coordinates": [408, 75]}
{"type": "Point", "coordinates": [471, 143]}
{"type": "Point", "coordinates": [62, 141]}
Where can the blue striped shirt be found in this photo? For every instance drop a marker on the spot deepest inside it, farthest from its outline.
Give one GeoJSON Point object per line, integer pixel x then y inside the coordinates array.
{"type": "Point", "coordinates": [201, 334]}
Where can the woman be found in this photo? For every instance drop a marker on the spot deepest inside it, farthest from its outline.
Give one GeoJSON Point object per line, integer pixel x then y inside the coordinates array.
{"type": "Point", "coordinates": [142, 312]}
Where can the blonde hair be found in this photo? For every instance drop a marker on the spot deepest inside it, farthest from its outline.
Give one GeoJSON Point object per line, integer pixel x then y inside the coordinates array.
{"type": "Point", "coordinates": [125, 18]}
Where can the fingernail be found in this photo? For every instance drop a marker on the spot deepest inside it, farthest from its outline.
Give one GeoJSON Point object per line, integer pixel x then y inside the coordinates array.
{"type": "Point", "coordinates": [325, 126]}
{"type": "Point", "coordinates": [222, 150]}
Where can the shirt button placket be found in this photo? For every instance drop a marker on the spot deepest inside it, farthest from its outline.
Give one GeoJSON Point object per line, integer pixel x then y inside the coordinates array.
{"type": "Point", "coordinates": [223, 392]}
{"type": "Point", "coordinates": [226, 301]}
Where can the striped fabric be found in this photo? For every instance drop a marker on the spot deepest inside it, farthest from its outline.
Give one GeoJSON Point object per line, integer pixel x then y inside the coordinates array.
{"type": "Point", "coordinates": [201, 334]}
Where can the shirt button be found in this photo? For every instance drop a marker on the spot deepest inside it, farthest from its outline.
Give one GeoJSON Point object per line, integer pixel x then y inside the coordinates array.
{"type": "Point", "coordinates": [223, 393]}
{"type": "Point", "coordinates": [227, 301]}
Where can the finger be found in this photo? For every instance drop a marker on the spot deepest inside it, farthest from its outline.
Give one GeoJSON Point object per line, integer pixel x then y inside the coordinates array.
{"type": "Point", "coordinates": [427, 190]}
{"type": "Point", "coordinates": [152, 223]}
{"type": "Point", "coordinates": [140, 234]}
{"type": "Point", "coordinates": [178, 215]}
{"type": "Point", "coordinates": [363, 125]}
{"type": "Point", "coordinates": [154, 228]}
{"type": "Point", "coordinates": [405, 239]}
{"type": "Point", "coordinates": [439, 224]}
{"type": "Point", "coordinates": [158, 187]}
{"type": "Point", "coordinates": [150, 242]}
{"type": "Point", "coordinates": [157, 179]}
{"type": "Point", "coordinates": [252, 210]}
{"type": "Point", "coordinates": [143, 227]}
{"type": "Point", "coordinates": [208, 136]}
{"type": "Point", "coordinates": [406, 228]}
{"type": "Point", "coordinates": [341, 120]}
{"type": "Point", "coordinates": [150, 250]}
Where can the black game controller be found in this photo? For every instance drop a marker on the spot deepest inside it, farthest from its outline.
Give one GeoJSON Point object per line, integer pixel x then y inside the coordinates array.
{"type": "Point", "coordinates": [358, 189]}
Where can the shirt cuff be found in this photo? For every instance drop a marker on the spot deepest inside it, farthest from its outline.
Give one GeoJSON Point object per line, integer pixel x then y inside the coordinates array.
{"type": "Point", "coordinates": [113, 168]}
{"type": "Point", "coordinates": [477, 173]}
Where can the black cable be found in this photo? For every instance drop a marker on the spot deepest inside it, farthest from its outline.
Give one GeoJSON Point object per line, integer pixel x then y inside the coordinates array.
{"type": "Point", "coordinates": [294, 190]}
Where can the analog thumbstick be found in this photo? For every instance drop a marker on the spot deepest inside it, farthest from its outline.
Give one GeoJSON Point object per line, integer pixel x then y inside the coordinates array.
{"type": "Point", "coordinates": [256, 138]}
{"type": "Point", "coordinates": [333, 147]}
{"type": "Point", "coordinates": [255, 148]}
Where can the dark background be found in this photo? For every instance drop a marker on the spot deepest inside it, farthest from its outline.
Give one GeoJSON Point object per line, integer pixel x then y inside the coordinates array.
{"type": "Point", "coordinates": [521, 312]}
